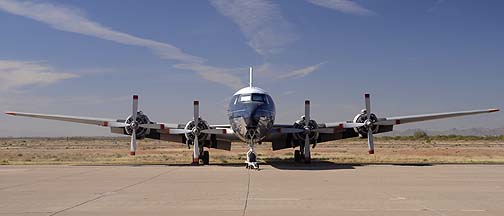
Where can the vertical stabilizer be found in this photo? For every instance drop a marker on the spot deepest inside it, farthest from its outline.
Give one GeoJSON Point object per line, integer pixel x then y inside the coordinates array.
{"type": "Point", "coordinates": [250, 82]}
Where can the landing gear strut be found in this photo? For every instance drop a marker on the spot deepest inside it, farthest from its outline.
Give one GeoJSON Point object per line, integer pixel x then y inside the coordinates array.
{"type": "Point", "coordinates": [299, 155]}
{"type": "Point", "coordinates": [204, 156]}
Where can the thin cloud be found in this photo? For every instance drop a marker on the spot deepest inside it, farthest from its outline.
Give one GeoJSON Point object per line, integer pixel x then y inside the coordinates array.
{"type": "Point", "coordinates": [344, 6]}
{"type": "Point", "coordinates": [16, 74]}
{"type": "Point", "coordinates": [261, 22]}
{"type": "Point", "coordinates": [302, 72]}
{"type": "Point", "coordinates": [214, 74]}
{"type": "Point", "coordinates": [435, 6]}
{"type": "Point", "coordinates": [72, 20]}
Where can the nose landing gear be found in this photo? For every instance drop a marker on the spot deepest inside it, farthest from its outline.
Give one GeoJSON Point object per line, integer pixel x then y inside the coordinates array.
{"type": "Point", "coordinates": [251, 162]}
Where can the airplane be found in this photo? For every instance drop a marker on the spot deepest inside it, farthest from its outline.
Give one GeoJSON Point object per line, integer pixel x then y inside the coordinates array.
{"type": "Point", "coordinates": [251, 115]}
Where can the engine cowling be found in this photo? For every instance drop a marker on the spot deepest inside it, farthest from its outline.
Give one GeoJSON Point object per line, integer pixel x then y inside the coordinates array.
{"type": "Point", "coordinates": [361, 118]}
{"type": "Point", "coordinates": [140, 119]}
{"type": "Point", "coordinates": [202, 125]}
{"type": "Point", "coordinates": [300, 124]}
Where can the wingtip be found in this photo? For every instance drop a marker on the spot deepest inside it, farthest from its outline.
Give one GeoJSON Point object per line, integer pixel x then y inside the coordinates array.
{"type": "Point", "coordinates": [493, 110]}
{"type": "Point", "coordinates": [10, 113]}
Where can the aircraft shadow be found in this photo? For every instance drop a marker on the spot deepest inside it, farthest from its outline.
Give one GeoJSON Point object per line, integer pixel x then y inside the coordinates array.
{"type": "Point", "coordinates": [283, 164]}
{"type": "Point", "coordinates": [289, 164]}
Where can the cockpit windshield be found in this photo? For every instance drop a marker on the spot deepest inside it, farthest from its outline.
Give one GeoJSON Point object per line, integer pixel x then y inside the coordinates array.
{"type": "Point", "coordinates": [253, 98]}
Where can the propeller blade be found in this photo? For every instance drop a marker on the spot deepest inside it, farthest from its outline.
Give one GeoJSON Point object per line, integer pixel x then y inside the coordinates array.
{"type": "Point", "coordinates": [176, 131]}
{"type": "Point", "coordinates": [352, 125]}
{"type": "Point", "coordinates": [153, 126]}
{"type": "Point", "coordinates": [307, 112]}
{"type": "Point", "coordinates": [214, 131]}
{"type": "Point", "coordinates": [288, 130]}
{"type": "Point", "coordinates": [135, 107]}
{"type": "Point", "coordinates": [307, 147]}
{"type": "Point", "coordinates": [158, 126]}
{"type": "Point", "coordinates": [196, 150]}
{"type": "Point", "coordinates": [331, 130]}
{"type": "Point", "coordinates": [368, 105]}
{"type": "Point", "coordinates": [133, 144]}
{"type": "Point", "coordinates": [307, 136]}
{"type": "Point", "coordinates": [196, 113]}
{"type": "Point", "coordinates": [370, 141]}
{"type": "Point", "coordinates": [116, 124]}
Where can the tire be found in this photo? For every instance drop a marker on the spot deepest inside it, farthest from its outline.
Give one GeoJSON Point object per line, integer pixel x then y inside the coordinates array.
{"type": "Point", "coordinates": [307, 160]}
{"type": "Point", "coordinates": [297, 156]}
{"type": "Point", "coordinates": [252, 157]}
{"type": "Point", "coordinates": [206, 158]}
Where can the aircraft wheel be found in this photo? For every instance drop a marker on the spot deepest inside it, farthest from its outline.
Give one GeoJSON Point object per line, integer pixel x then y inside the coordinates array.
{"type": "Point", "coordinates": [252, 157]}
{"type": "Point", "coordinates": [206, 158]}
{"type": "Point", "coordinates": [307, 160]}
{"type": "Point", "coordinates": [297, 156]}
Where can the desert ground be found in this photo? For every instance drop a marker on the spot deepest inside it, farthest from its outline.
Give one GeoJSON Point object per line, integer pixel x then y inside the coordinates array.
{"type": "Point", "coordinates": [114, 150]}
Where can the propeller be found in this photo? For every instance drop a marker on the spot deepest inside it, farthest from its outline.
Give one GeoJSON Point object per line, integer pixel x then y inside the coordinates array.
{"type": "Point", "coordinates": [196, 132]}
{"type": "Point", "coordinates": [134, 125]}
{"type": "Point", "coordinates": [369, 124]}
{"type": "Point", "coordinates": [307, 132]}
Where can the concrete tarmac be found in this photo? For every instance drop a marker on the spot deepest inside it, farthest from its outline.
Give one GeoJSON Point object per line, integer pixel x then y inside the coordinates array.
{"type": "Point", "coordinates": [277, 189]}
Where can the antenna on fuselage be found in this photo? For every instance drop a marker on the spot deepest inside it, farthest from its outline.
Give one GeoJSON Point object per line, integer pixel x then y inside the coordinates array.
{"type": "Point", "coordinates": [250, 82]}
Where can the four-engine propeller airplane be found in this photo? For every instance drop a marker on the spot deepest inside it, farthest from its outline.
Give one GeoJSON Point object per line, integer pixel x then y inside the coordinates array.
{"type": "Point", "coordinates": [251, 115]}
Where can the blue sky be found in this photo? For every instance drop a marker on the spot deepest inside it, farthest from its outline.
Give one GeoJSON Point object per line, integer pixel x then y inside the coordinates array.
{"type": "Point", "coordinates": [88, 58]}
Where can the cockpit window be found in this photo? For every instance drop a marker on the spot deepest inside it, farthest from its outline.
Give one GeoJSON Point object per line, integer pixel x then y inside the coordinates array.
{"type": "Point", "coordinates": [253, 97]}
{"type": "Point", "coordinates": [258, 97]}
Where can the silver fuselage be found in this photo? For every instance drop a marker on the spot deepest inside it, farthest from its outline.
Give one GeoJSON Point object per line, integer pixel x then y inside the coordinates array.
{"type": "Point", "coordinates": [251, 114]}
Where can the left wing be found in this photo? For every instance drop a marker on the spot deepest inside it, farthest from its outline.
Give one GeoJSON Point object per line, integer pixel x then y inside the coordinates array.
{"type": "Point", "coordinates": [365, 125]}
{"type": "Point", "coordinates": [104, 122]}
{"type": "Point", "coordinates": [139, 126]}
{"type": "Point", "coordinates": [417, 118]}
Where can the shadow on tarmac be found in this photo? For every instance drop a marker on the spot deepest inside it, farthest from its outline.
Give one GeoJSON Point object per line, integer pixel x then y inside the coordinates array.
{"type": "Point", "coordinates": [289, 164]}
{"type": "Point", "coordinates": [282, 164]}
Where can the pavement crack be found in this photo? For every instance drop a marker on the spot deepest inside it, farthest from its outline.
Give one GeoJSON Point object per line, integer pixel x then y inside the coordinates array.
{"type": "Point", "coordinates": [110, 193]}
{"type": "Point", "coordinates": [247, 197]}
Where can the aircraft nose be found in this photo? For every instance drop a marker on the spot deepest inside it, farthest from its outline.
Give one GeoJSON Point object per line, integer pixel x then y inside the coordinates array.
{"type": "Point", "coordinates": [251, 121]}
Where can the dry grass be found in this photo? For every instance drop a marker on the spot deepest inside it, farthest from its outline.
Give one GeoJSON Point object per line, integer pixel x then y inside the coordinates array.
{"type": "Point", "coordinates": [99, 150]}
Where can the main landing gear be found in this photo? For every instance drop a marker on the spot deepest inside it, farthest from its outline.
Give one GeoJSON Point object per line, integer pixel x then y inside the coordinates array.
{"type": "Point", "coordinates": [300, 156]}
{"type": "Point", "coordinates": [203, 156]}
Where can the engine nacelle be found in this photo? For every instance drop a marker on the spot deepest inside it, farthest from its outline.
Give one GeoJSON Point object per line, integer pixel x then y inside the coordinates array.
{"type": "Point", "coordinates": [361, 118]}
{"type": "Point", "coordinates": [202, 125]}
{"type": "Point", "coordinates": [300, 124]}
{"type": "Point", "coordinates": [140, 119]}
